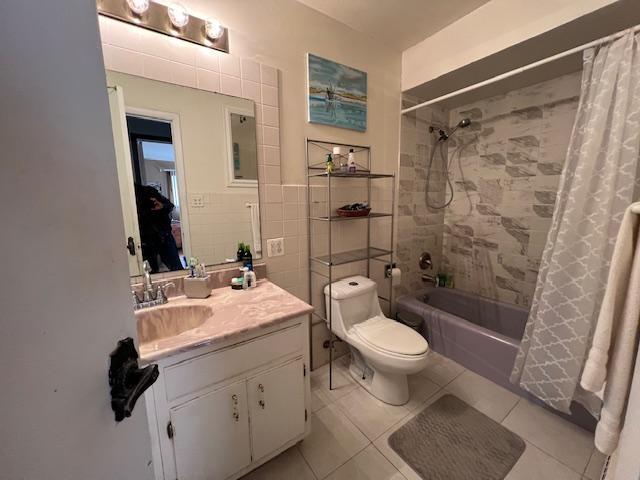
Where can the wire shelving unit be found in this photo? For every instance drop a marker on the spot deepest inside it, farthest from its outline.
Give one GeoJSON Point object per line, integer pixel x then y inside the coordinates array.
{"type": "Point", "coordinates": [316, 171]}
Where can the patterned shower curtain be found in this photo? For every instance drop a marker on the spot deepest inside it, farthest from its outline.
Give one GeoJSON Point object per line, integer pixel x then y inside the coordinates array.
{"type": "Point", "coordinates": [598, 182]}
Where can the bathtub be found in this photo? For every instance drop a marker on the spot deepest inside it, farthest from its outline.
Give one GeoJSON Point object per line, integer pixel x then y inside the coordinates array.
{"type": "Point", "coordinates": [481, 334]}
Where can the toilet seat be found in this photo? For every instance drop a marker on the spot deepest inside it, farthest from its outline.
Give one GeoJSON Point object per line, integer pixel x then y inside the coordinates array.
{"type": "Point", "coordinates": [391, 337]}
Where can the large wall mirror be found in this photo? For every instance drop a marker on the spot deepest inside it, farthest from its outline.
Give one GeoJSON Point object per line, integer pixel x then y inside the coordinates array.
{"type": "Point", "coordinates": [188, 173]}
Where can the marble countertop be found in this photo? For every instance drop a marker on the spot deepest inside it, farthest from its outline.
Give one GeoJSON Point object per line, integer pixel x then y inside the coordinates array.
{"type": "Point", "coordinates": [234, 312]}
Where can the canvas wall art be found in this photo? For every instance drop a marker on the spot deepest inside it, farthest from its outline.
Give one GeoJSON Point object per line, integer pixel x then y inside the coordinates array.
{"type": "Point", "coordinates": [337, 94]}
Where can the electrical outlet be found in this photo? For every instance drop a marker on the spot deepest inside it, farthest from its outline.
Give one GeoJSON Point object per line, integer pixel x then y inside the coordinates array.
{"type": "Point", "coordinates": [197, 201]}
{"type": "Point", "coordinates": [275, 247]}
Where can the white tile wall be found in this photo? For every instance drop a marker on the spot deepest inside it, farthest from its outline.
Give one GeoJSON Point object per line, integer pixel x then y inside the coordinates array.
{"type": "Point", "coordinates": [139, 52]}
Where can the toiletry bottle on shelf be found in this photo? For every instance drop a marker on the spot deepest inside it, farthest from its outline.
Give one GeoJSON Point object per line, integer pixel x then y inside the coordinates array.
{"type": "Point", "coordinates": [247, 258]}
{"type": "Point", "coordinates": [352, 162]}
{"type": "Point", "coordinates": [240, 252]}
{"type": "Point", "coordinates": [330, 165]}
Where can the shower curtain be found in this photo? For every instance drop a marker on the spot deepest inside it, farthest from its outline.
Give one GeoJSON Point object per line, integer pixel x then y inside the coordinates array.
{"type": "Point", "coordinates": [598, 182]}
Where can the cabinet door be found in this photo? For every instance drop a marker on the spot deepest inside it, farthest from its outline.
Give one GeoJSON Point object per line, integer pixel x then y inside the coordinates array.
{"type": "Point", "coordinates": [211, 435]}
{"type": "Point", "coordinates": [276, 407]}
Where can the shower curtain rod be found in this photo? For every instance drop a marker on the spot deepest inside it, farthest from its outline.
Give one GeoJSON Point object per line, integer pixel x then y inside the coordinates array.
{"type": "Point", "coordinates": [523, 69]}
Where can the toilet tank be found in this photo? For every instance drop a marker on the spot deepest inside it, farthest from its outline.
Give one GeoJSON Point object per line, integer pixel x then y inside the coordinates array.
{"type": "Point", "coordinates": [354, 300]}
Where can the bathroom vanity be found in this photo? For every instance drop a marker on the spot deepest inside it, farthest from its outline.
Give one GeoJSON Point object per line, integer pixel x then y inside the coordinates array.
{"type": "Point", "coordinates": [233, 389]}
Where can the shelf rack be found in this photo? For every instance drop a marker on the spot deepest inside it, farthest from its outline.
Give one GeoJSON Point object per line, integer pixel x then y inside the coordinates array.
{"type": "Point", "coordinates": [317, 171]}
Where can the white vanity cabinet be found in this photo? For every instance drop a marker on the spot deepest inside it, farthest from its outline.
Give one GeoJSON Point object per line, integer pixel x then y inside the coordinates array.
{"type": "Point", "coordinates": [218, 412]}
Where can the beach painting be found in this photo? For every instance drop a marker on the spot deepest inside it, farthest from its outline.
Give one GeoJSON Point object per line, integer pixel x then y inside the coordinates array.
{"type": "Point", "coordinates": [337, 94]}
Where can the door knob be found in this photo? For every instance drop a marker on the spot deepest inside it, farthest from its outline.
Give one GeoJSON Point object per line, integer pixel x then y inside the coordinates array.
{"type": "Point", "coordinates": [127, 380]}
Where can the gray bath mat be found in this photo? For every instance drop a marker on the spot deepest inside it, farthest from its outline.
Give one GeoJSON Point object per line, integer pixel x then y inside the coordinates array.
{"type": "Point", "coordinates": [449, 440]}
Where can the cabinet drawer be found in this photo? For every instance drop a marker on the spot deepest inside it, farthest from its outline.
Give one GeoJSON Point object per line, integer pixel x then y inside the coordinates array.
{"type": "Point", "coordinates": [195, 374]}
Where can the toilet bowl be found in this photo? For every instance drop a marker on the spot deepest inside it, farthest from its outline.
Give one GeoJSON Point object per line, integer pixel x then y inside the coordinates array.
{"type": "Point", "coordinates": [383, 351]}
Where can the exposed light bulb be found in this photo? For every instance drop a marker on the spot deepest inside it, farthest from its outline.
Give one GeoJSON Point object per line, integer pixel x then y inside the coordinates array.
{"type": "Point", "coordinates": [178, 15]}
{"type": "Point", "coordinates": [213, 29]}
{"type": "Point", "coordinates": [138, 6]}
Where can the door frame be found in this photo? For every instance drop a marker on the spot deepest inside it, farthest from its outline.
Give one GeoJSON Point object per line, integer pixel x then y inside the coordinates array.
{"type": "Point", "coordinates": [174, 120]}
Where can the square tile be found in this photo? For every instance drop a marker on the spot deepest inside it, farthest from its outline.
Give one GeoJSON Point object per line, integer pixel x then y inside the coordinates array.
{"type": "Point", "coordinates": [534, 464]}
{"type": "Point", "coordinates": [420, 389]}
{"type": "Point", "coordinates": [156, 68]}
{"type": "Point", "coordinates": [208, 59]}
{"type": "Point", "coordinates": [125, 61]}
{"type": "Point", "coordinates": [250, 70]}
{"type": "Point", "coordinates": [271, 155]}
{"type": "Point", "coordinates": [184, 75]}
{"type": "Point", "coordinates": [483, 395]}
{"type": "Point", "coordinates": [269, 75]}
{"type": "Point", "coordinates": [270, 116]}
{"type": "Point", "coordinates": [369, 464]}
{"type": "Point", "coordinates": [563, 440]}
{"type": "Point", "coordinates": [269, 96]}
{"type": "Point", "coordinates": [343, 384]}
{"type": "Point", "coordinates": [230, 65]}
{"type": "Point", "coordinates": [289, 464]}
{"type": "Point", "coordinates": [272, 174]}
{"type": "Point", "coordinates": [333, 440]}
{"type": "Point", "coordinates": [290, 193]}
{"type": "Point", "coordinates": [230, 85]}
{"type": "Point", "coordinates": [208, 80]}
{"type": "Point", "coordinates": [440, 369]}
{"type": "Point", "coordinates": [251, 90]}
{"type": "Point", "coordinates": [273, 194]}
{"type": "Point", "coordinates": [369, 414]}
{"type": "Point", "coordinates": [271, 136]}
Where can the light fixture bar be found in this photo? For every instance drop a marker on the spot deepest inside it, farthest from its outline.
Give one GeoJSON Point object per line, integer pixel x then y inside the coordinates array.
{"type": "Point", "coordinates": [156, 18]}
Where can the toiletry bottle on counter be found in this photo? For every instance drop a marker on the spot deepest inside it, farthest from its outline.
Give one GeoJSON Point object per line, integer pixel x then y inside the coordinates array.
{"type": "Point", "coordinates": [247, 258]}
{"type": "Point", "coordinates": [245, 278]}
{"type": "Point", "coordinates": [252, 280]}
{"type": "Point", "coordinates": [240, 252]}
{"type": "Point", "coordinates": [352, 162]}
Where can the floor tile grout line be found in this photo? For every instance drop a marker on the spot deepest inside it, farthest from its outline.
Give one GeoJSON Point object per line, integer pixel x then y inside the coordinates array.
{"type": "Point", "coordinates": [509, 412]}
{"type": "Point", "coordinates": [388, 460]}
{"type": "Point", "coordinates": [347, 460]}
{"type": "Point", "coordinates": [305, 460]}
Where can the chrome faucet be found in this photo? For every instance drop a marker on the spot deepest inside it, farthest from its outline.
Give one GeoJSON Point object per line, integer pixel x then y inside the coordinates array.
{"type": "Point", "coordinates": [425, 263]}
{"type": "Point", "coordinates": [151, 296]}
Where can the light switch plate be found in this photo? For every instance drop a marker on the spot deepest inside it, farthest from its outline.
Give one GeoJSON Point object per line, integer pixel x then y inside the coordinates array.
{"type": "Point", "coordinates": [197, 201]}
{"type": "Point", "coordinates": [275, 247]}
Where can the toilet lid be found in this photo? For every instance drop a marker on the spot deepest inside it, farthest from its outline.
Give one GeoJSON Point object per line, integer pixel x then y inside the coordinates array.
{"type": "Point", "coordinates": [392, 336]}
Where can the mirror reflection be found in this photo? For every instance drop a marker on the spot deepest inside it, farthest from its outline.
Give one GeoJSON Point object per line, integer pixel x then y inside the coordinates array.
{"type": "Point", "coordinates": [188, 174]}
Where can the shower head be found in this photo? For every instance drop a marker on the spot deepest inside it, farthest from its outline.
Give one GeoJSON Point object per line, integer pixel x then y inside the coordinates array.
{"type": "Point", "coordinates": [444, 135]}
{"type": "Point", "coordinates": [464, 123]}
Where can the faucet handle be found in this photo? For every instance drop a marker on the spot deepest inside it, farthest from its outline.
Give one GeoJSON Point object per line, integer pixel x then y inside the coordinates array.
{"type": "Point", "coordinates": [161, 294]}
{"type": "Point", "coordinates": [135, 298]}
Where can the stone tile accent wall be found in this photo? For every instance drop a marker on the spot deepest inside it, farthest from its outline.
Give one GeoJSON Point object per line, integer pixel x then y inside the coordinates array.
{"type": "Point", "coordinates": [420, 229]}
{"type": "Point", "coordinates": [505, 168]}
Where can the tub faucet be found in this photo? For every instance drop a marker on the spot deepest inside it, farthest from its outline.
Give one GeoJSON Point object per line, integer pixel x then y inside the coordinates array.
{"type": "Point", "coordinates": [429, 278]}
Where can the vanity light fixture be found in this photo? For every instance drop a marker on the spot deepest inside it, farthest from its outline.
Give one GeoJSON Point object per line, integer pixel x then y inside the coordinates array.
{"type": "Point", "coordinates": [178, 15]}
{"type": "Point", "coordinates": [138, 6]}
{"type": "Point", "coordinates": [173, 20]}
{"type": "Point", "coordinates": [213, 29]}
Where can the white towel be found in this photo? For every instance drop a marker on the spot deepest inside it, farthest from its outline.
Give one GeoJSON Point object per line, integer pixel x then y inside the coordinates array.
{"type": "Point", "coordinates": [611, 359]}
{"type": "Point", "coordinates": [255, 227]}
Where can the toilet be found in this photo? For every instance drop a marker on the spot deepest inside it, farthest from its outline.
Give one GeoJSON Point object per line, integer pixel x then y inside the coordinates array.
{"type": "Point", "coordinates": [383, 351]}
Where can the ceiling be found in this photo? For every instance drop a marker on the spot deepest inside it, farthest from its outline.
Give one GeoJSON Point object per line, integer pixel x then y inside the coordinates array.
{"type": "Point", "coordinates": [397, 23]}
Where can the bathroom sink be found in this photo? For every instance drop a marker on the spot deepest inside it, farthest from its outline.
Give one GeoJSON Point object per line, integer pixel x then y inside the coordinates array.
{"type": "Point", "coordinates": [163, 322]}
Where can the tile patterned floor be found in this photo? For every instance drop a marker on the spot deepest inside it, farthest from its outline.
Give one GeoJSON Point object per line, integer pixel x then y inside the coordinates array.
{"type": "Point", "coordinates": [350, 429]}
